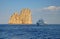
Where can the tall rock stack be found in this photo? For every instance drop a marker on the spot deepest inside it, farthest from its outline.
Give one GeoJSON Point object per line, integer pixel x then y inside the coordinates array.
{"type": "Point", "coordinates": [23, 18]}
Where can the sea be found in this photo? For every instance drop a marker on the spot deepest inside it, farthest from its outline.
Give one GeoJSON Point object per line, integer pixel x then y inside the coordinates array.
{"type": "Point", "coordinates": [29, 31]}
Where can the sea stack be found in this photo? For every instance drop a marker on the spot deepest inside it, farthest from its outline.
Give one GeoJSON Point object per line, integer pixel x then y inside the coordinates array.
{"type": "Point", "coordinates": [23, 18]}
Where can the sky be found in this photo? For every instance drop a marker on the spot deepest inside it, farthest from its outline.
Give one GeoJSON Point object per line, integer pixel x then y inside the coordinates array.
{"type": "Point", "coordinates": [48, 10]}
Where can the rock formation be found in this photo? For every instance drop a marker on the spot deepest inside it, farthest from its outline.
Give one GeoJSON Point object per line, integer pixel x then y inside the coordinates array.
{"type": "Point", "coordinates": [23, 18]}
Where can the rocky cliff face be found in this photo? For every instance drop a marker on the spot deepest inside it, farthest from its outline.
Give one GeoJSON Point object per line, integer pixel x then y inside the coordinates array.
{"type": "Point", "coordinates": [23, 18]}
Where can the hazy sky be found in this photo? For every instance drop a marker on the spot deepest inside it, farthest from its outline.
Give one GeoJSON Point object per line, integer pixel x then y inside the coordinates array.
{"type": "Point", "coordinates": [48, 10]}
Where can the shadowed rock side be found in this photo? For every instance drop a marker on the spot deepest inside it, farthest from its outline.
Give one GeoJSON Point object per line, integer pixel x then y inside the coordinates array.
{"type": "Point", "coordinates": [23, 18]}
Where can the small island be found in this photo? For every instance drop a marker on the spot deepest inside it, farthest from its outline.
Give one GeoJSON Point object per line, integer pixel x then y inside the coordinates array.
{"type": "Point", "coordinates": [23, 18]}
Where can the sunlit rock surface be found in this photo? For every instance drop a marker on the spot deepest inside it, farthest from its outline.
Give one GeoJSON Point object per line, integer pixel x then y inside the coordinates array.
{"type": "Point", "coordinates": [23, 18]}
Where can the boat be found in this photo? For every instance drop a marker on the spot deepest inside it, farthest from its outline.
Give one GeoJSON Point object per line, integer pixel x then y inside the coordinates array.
{"type": "Point", "coordinates": [40, 22]}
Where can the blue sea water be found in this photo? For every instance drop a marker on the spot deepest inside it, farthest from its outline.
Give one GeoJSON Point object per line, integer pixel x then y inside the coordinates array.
{"type": "Point", "coordinates": [32, 31]}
